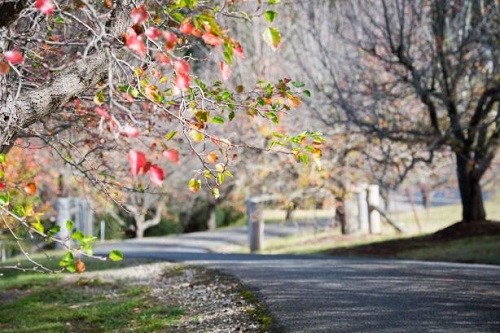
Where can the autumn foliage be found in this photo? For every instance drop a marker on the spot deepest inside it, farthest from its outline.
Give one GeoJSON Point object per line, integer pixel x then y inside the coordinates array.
{"type": "Point", "coordinates": [120, 100]}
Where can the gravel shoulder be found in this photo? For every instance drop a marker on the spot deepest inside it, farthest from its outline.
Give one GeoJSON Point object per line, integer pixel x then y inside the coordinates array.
{"type": "Point", "coordinates": [213, 302]}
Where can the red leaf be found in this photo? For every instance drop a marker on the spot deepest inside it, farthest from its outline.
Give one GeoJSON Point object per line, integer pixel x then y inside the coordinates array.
{"type": "Point", "coordinates": [4, 68]}
{"type": "Point", "coordinates": [162, 58]}
{"type": "Point", "coordinates": [152, 33]}
{"type": "Point", "coordinates": [30, 188]}
{"type": "Point", "coordinates": [137, 161]}
{"type": "Point", "coordinates": [156, 175]}
{"type": "Point", "coordinates": [182, 81]}
{"type": "Point", "coordinates": [135, 43]}
{"type": "Point", "coordinates": [14, 57]}
{"type": "Point", "coordinates": [186, 28]}
{"type": "Point", "coordinates": [225, 70]}
{"type": "Point", "coordinates": [102, 112]}
{"type": "Point", "coordinates": [130, 131]}
{"type": "Point", "coordinates": [210, 39]}
{"type": "Point", "coordinates": [238, 50]}
{"type": "Point", "coordinates": [197, 32]}
{"type": "Point", "coordinates": [170, 40]}
{"type": "Point", "coordinates": [45, 6]}
{"type": "Point", "coordinates": [139, 15]}
{"type": "Point", "coordinates": [182, 66]}
{"type": "Point", "coordinates": [172, 155]}
{"type": "Point", "coordinates": [2, 186]}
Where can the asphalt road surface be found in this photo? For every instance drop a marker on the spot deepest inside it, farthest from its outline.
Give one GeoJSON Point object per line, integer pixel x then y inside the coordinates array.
{"type": "Point", "coordinates": [332, 294]}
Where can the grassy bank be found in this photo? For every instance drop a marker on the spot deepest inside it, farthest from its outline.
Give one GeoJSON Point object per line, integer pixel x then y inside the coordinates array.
{"type": "Point", "coordinates": [481, 244]}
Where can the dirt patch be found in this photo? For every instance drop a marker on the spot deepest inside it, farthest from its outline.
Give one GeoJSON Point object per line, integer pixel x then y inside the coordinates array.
{"type": "Point", "coordinates": [11, 295]}
{"type": "Point", "coordinates": [390, 249]}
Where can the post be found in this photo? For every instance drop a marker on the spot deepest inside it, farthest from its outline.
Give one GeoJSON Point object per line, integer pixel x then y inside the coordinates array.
{"type": "Point", "coordinates": [63, 215]}
{"type": "Point", "coordinates": [103, 230]}
{"type": "Point", "coordinates": [363, 217]}
{"type": "Point", "coordinates": [84, 216]}
{"type": "Point", "coordinates": [374, 201]}
{"type": "Point", "coordinates": [350, 224]}
{"type": "Point", "coordinates": [4, 252]}
{"type": "Point", "coordinates": [255, 226]}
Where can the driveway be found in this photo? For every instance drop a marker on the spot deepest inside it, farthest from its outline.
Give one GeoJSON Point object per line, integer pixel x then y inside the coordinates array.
{"type": "Point", "coordinates": [332, 294]}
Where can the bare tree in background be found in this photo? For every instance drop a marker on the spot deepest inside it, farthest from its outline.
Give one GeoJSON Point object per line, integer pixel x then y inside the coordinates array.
{"type": "Point", "coordinates": [421, 75]}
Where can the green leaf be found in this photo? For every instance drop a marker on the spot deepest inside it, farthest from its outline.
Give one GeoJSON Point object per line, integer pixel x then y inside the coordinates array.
{"type": "Point", "coordinates": [3, 158]}
{"type": "Point", "coordinates": [272, 37]}
{"type": "Point", "coordinates": [4, 199]}
{"type": "Point", "coordinates": [220, 178]}
{"type": "Point", "coordinates": [69, 225]}
{"type": "Point", "coordinates": [304, 158]}
{"type": "Point", "coordinates": [228, 173]}
{"type": "Point", "coordinates": [38, 227]}
{"type": "Point", "coordinates": [71, 267]}
{"type": "Point", "coordinates": [307, 93]}
{"type": "Point", "coordinates": [88, 249]}
{"type": "Point", "coordinates": [54, 230]}
{"type": "Point", "coordinates": [194, 185]}
{"type": "Point", "coordinates": [99, 98]}
{"type": "Point", "coordinates": [123, 88]}
{"type": "Point", "coordinates": [273, 2]}
{"type": "Point", "coordinates": [116, 255]}
{"type": "Point", "coordinates": [298, 84]}
{"type": "Point", "coordinates": [215, 193]}
{"type": "Point", "coordinates": [66, 259]}
{"type": "Point", "coordinates": [218, 120]}
{"type": "Point", "coordinates": [134, 93]}
{"type": "Point", "coordinates": [88, 240]}
{"type": "Point", "coordinates": [178, 16]}
{"type": "Point", "coordinates": [59, 20]}
{"type": "Point", "coordinates": [19, 211]}
{"type": "Point", "coordinates": [272, 115]}
{"type": "Point", "coordinates": [231, 115]}
{"type": "Point", "coordinates": [77, 235]}
{"type": "Point", "coordinates": [170, 135]}
{"type": "Point", "coordinates": [270, 15]}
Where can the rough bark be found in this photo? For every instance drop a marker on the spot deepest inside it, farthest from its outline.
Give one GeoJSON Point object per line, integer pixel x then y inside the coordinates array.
{"type": "Point", "coordinates": [470, 191]}
{"type": "Point", "coordinates": [9, 11]}
{"type": "Point", "coordinates": [33, 106]}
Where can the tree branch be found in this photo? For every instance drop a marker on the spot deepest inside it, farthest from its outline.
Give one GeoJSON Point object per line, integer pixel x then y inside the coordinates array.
{"type": "Point", "coordinates": [35, 105]}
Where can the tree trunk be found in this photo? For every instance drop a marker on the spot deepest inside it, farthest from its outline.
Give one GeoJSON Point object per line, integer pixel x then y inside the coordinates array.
{"type": "Point", "coordinates": [140, 226]}
{"type": "Point", "coordinates": [470, 191]}
{"type": "Point", "coordinates": [212, 217]}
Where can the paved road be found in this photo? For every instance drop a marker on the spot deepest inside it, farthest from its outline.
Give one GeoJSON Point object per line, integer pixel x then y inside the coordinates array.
{"type": "Point", "coordinates": [326, 294]}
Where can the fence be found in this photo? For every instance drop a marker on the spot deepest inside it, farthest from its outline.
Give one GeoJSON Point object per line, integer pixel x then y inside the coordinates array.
{"type": "Point", "coordinates": [362, 214]}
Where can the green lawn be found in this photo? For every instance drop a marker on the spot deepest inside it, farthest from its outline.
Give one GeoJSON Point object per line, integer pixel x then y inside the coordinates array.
{"type": "Point", "coordinates": [37, 302]}
{"type": "Point", "coordinates": [412, 245]}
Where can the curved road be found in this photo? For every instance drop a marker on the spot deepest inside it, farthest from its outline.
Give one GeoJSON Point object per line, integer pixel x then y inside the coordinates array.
{"type": "Point", "coordinates": [331, 294]}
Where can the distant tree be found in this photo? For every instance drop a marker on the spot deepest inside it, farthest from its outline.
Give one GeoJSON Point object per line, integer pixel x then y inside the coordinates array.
{"type": "Point", "coordinates": [423, 76]}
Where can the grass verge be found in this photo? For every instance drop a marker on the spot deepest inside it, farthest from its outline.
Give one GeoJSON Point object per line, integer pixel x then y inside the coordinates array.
{"type": "Point", "coordinates": [36, 302]}
{"type": "Point", "coordinates": [257, 310]}
{"type": "Point", "coordinates": [471, 244]}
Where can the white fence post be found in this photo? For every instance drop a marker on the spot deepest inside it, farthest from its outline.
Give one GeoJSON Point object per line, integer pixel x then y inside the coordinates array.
{"type": "Point", "coordinates": [364, 220]}
{"type": "Point", "coordinates": [64, 207]}
{"type": "Point", "coordinates": [4, 252]}
{"type": "Point", "coordinates": [255, 226]}
{"type": "Point", "coordinates": [103, 231]}
{"type": "Point", "coordinates": [374, 201]}
{"type": "Point", "coordinates": [351, 216]}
